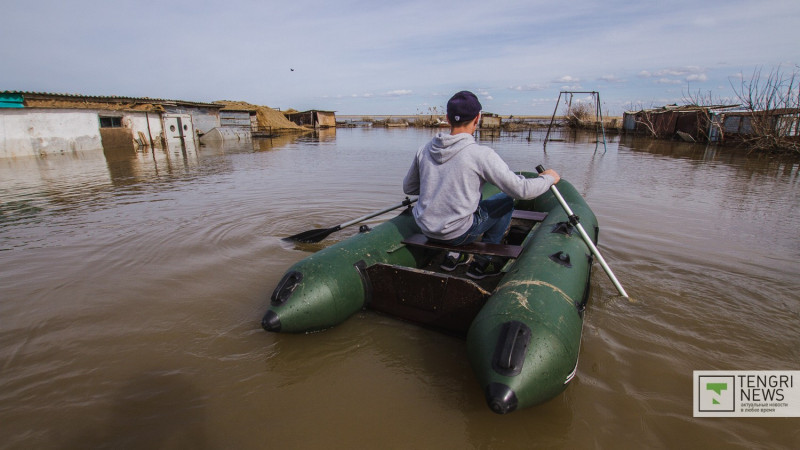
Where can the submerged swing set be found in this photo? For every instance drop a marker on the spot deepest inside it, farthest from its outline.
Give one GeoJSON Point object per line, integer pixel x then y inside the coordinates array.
{"type": "Point", "coordinates": [598, 112]}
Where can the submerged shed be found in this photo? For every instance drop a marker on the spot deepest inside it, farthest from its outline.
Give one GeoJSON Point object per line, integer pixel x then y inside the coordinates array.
{"type": "Point", "coordinates": [490, 121]}
{"type": "Point", "coordinates": [39, 123]}
{"type": "Point", "coordinates": [689, 122]}
{"type": "Point", "coordinates": [783, 122]}
{"type": "Point", "coordinates": [313, 118]}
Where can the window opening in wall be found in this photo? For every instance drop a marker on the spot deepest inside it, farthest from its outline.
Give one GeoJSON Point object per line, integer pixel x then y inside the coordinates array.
{"type": "Point", "coordinates": [110, 122]}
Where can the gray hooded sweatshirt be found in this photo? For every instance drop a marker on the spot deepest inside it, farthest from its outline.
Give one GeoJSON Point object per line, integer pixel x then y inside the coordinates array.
{"type": "Point", "coordinates": [448, 174]}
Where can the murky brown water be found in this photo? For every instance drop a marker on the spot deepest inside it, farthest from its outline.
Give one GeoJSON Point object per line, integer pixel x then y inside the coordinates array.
{"type": "Point", "coordinates": [132, 287]}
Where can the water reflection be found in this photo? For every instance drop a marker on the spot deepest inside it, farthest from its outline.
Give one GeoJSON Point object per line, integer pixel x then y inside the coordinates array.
{"type": "Point", "coordinates": [56, 184]}
{"type": "Point", "coordinates": [765, 164]}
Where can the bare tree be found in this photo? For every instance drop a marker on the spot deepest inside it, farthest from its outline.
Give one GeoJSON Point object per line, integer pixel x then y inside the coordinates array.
{"type": "Point", "coordinates": [773, 104]}
{"type": "Point", "coordinates": [579, 115]}
{"type": "Point", "coordinates": [645, 118]}
{"type": "Point", "coordinates": [706, 105]}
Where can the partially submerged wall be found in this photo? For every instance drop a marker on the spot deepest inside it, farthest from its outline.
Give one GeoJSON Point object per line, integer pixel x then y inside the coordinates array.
{"type": "Point", "coordinates": [29, 132]}
{"type": "Point", "coordinates": [227, 134]}
{"type": "Point", "coordinates": [43, 131]}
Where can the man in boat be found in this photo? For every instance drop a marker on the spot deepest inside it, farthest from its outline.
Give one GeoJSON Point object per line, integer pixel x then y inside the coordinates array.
{"type": "Point", "coordinates": [448, 174]}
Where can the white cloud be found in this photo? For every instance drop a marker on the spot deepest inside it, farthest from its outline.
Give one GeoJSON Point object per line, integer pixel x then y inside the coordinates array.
{"type": "Point", "coordinates": [697, 77]}
{"type": "Point", "coordinates": [668, 81]}
{"type": "Point", "coordinates": [672, 71]}
{"type": "Point", "coordinates": [485, 94]}
{"type": "Point", "coordinates": [611, 79]}
{"type": "Point", "coordinates": [567, 79]}
{"type": "Point", "coordinates": [669, 72]}
{"type": "Point", "coordinates": [398, 92]}
{"type": "Point", "coordinates": [529, 87]}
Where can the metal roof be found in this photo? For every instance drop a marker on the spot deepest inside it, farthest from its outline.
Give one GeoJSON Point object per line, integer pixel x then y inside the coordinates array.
{"type": "Point", "coordinates": [108, 99]}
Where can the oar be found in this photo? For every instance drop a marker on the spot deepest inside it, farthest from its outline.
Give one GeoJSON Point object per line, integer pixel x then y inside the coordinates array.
{"type": "Point", "coordinates": [575, 221]}
{"type": "Point", "coordinates": [319, 234]}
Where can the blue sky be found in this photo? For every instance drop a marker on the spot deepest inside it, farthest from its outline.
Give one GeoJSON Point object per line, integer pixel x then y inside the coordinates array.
{"type": "Point", "coordinates": [372, 57]}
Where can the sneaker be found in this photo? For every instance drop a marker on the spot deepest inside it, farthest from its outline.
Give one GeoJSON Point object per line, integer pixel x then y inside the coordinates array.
{"type": "Point", "coordinates": [453, 260]}
{"type": "Point", "coordinates": [484, 267]}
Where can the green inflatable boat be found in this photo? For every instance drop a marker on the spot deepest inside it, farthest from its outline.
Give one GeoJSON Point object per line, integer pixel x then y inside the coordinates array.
{"type": "Point", "coordinates": [522, 327]}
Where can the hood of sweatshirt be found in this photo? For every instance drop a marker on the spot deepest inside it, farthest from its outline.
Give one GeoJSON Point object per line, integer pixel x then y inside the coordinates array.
{"type": "Point", "coordinates": [444, 146]}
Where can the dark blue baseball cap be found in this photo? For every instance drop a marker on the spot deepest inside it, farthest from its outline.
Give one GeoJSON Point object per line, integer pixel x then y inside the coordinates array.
{"type": "Point", "coordinates": [463, 106]}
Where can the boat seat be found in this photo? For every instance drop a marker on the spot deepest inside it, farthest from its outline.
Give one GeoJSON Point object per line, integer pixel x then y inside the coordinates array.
{"type": "Point", "coordinates": [479, 248]}
{"type": "Point", "coordinates": [534, 216]}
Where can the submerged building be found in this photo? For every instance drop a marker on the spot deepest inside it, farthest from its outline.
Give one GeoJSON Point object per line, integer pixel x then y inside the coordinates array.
{"type": "Point", "coordinates": [33, 123]}
{"type": "Point", "coordinates": [313, 118]}
{"type": "Point", "coordinates": [716, 123]}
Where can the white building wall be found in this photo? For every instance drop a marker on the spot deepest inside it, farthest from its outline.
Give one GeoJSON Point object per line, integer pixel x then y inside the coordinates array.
{"type": "Point", "coordinates": [26, 132]}
{"type": "Point", "coordinates": [138, 122]}
{"type": "Point", "coordinates": [43, 131]}
{"type": "Point", "coordinates": [203, 119]}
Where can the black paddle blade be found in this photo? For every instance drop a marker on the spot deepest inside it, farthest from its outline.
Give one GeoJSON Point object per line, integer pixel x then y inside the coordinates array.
{"type": "Point", "coordinates": [312, 236]}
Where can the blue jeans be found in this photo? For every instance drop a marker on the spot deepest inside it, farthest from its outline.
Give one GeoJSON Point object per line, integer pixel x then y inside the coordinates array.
{"type": "Point", "coordinates": [491, 220]}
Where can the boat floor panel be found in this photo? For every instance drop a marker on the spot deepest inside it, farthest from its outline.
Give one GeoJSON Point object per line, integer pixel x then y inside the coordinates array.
{"type": "Point", "coordinates": [432, 299]}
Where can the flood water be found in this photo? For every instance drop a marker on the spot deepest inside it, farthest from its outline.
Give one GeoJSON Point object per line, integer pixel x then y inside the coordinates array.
{"type": "Point", "coordinates": [132, 286]}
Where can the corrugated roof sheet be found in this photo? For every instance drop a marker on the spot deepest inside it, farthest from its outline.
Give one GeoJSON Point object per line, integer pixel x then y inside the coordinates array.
{"type": "Point", "coordinates": [76, 98]}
